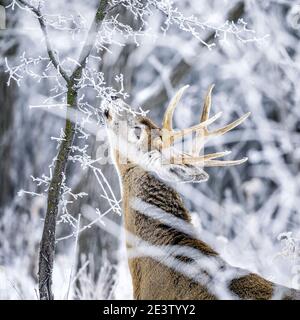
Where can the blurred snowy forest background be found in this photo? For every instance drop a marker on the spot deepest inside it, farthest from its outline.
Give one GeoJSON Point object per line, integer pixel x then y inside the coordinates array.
{"type": "Point", "coordinates": [249, 213]}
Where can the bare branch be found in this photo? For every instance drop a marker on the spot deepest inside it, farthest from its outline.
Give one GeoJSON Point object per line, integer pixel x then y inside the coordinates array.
{"type": "Point", "coordinates": [90, 40]}
{"type": "Point", "coordinates": [183, 68]}
{"type": "Point", "coordinates": [50, 51]}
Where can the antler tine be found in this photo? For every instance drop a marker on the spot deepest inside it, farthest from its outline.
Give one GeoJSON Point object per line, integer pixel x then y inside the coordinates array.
{"type": "Point", "coordinates": [188, 159]}
{"type": "Point", "coordinates": [207, 104]}
{"type": "Point", "coordinates": [228, 127]}
{"type": "Point", "coordinates": [197, 127]}
{"type": "Point", "coordinates": [220, 163]}
{"type": "Point", "coordinates": [204, 117]}
{"type": "Point", "coordinates": [167, 121]}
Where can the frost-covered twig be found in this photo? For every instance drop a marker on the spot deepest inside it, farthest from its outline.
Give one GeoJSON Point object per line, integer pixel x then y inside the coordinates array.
{"type": "Point", "coordinates": [90, 40]}
{"type": "Point", "coordinates": [191, 24]}
{"type": "Point", "coordinates": [158, 95]}
{"type": "Point", "coordinates": [50, 51]}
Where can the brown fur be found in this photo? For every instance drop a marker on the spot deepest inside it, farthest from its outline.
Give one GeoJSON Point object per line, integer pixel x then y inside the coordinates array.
{"type": "Point", "coordinates": [154, 280]}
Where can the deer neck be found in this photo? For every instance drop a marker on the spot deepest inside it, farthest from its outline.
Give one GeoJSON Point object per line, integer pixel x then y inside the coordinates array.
{"type": "Point", "coordinates": [145, 188]}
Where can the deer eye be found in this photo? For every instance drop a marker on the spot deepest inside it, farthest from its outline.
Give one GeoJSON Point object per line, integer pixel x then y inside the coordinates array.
{"type": "Point", "coordinates": [137, 131]}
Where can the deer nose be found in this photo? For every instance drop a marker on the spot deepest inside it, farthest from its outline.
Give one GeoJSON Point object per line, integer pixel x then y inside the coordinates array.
{"type": "Point", "coordinates": [114, 98]}
{"type": "Point", "coordinates": [106, 113]}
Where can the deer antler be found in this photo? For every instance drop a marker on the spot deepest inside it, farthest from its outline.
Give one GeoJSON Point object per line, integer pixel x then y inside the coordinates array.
{"type": "Point", "coordinates": [202, 133]}
{"type": "Point", "coordinates": [167, 121]}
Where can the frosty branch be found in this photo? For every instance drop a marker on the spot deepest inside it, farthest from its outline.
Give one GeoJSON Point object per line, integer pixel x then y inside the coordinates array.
{"type": "Point", "coordinates": [43, 26]}
{"type": "Point", "coordinates": [183, 67]}
{"type": "Point", "coordinates": [47, 246]}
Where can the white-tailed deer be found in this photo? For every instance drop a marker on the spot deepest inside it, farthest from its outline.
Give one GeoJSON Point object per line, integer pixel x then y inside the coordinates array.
{"type": "Point", "coordinates": [173, 263]}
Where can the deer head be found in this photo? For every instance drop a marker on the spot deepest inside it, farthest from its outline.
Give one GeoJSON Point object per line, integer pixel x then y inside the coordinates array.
{"type": "Point", "coordinates": [136, 140]}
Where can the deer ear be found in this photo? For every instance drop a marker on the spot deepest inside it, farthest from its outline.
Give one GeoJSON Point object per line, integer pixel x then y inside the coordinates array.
{"type": "Point", "coordinates": [183, 173]}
